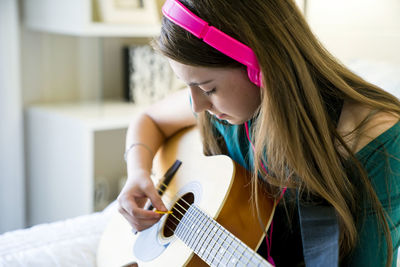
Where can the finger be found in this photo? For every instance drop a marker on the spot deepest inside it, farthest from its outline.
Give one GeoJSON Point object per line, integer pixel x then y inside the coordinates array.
{"type": "Point", "coordinates": [156, 199]}
{"type": "Point", "coordinates": [133, 210]}
{"type": "Point", "coordinates": [138, 225]}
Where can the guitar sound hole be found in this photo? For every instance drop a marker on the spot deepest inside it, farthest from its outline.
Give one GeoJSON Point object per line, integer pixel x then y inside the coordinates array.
{"type": "Point", "coordinates": [179, 209]}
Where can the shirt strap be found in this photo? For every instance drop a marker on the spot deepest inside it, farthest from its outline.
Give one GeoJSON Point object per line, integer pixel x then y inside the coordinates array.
{"type": "Point", "coordinates": [320, 235]}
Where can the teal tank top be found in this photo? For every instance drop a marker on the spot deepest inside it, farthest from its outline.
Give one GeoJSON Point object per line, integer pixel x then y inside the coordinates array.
{"type": "Point", "coordinates": [381, 160]}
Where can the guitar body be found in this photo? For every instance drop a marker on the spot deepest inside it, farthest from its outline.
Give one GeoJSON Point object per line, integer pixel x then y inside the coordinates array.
{"type": "Point", "coordinates": [221, 188]}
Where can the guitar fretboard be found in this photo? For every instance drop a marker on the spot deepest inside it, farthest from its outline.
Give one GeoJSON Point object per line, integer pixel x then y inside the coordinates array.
{"type": "Point", "coordinates": [213, 243]}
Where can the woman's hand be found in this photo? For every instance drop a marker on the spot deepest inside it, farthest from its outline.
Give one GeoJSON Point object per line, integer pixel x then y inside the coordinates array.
{"type": "Point", "coordinates": [137, 190]}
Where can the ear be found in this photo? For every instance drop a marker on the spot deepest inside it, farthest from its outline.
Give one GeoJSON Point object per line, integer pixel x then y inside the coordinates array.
{"type": "Point", "coordinates": [255, 76]}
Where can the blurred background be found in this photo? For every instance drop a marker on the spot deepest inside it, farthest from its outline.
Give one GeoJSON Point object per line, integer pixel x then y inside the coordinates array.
{"type": "Point", "coordinates": [73, 73]}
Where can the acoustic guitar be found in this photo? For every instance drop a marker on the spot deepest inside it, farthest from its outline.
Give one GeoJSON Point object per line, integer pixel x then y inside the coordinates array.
{"type": "Point", "coordinates": [213, 220]}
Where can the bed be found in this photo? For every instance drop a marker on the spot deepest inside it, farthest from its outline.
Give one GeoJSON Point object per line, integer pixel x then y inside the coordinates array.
{"type": "Point", "coordinates": [71, 242]}
{"type": "Point", "coordinates": [74, 242]}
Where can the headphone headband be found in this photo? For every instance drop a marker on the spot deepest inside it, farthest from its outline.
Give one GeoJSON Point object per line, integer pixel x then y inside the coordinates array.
{"type": "Point", "coordinates": [176, 12]}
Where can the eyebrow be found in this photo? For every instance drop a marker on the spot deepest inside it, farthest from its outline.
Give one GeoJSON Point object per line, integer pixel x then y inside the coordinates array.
{"type": "Point", "coordinates": [200, 83]}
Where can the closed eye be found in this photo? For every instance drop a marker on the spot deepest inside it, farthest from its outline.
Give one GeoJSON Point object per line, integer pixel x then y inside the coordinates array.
{"type": "Point", "coordinates": [212, 91]}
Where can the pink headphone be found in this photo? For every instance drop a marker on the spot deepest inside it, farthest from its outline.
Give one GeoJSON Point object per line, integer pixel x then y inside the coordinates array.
{"type": "Point", "coordinates": [183, 17]}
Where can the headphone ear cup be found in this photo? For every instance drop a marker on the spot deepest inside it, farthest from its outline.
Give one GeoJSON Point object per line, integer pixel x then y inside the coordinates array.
{"type": "Point", "coordinates": [255, 76]}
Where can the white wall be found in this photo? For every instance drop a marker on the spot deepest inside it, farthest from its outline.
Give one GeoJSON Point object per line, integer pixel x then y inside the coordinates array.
{"type": "Point", "coordinates": [357, 29]}
{"type": "Point", "coordinates": [12, 181]}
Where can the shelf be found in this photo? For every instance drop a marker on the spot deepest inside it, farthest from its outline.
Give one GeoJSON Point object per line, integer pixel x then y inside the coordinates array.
{"type": "Point", "coordinates": [94, 116]}
{"type": "Point", "coordinates": [78, 18]}
{"type": "Point", "coordinates": [97, 29]}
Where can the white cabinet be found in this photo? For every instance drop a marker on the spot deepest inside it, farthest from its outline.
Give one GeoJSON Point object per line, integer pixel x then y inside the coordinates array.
{"type": "Point", "coordinates": [74, 157]}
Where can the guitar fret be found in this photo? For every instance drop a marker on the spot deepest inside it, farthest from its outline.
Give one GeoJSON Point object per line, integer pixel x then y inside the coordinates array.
{"type": "Point", "coordinates": [214, 240]}
{"type": "Point", "coordinates": [205, 239]}
{"type": "Point", "coordinates": [228, 256]}
{"type": "Point", "coordinates": [223, 249]}
{"type": "Point", "coordinates": [179, 231]}
{"type": "Point", "coordinates": [186, 225]}
{"type": "Point", "coordinates": [257, 259]}
{"type": "Point", "coordinates": [201, 234]}
{"type": "Point", "coordinates": [204, 228]}
{"type": "Point", "coordinates": [192, 225]}
{"type": "Point", "coordinates": [197, 233]}
{"type": "Point", "coordinates": [235, 255]}
{"type": "Point", "coordinates": [208, 240]}
{"type": "Point", "coordinates": [206, 234]}
{"type": "Point", "coordinates": [213, 243]}
{"type": "Point", "coordinates": [222, 246]}
{"type": "Point", "coordinates": [247, 256]}
{"type": "Point", "coordinates": [219, 246]}
{"type": "Point", "coordinates": [241, 251]}
{"type": "Point", "coordinates": [189, 225]}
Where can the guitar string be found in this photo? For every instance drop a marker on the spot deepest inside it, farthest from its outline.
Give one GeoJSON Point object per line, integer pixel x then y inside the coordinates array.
{"type": "Point", "coordinates": [184, 225]}
{"type": "Point", "coordinates": [239, 244]}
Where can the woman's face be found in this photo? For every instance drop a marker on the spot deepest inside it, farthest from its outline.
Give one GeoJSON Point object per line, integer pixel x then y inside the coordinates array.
{"type": "Point", "coordinates": [226, 93]}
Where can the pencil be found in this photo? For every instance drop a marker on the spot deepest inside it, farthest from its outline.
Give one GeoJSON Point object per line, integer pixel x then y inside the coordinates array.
{"type": "Point", "coordinates": [163, 212]}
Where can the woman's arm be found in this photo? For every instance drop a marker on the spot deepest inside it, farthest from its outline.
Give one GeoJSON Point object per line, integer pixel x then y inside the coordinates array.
{"type": "Point", "coordinates": [144, 137]}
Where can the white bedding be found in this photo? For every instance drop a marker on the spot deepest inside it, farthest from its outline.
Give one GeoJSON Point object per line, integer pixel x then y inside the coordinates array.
{"type": "Point", "coordinates": [67, 243]}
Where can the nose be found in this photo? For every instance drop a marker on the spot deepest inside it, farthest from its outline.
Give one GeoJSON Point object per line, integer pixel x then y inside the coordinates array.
{"type": "Point", "coordinates": [200, 102]}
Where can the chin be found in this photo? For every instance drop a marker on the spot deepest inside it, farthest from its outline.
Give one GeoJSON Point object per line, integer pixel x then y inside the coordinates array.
{"type": "Point", "coordinates": [235, 121]}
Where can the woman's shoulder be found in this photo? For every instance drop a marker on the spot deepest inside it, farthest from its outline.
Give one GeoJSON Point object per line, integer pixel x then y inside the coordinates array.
{"type": "Point", "coordinates": [378, 124]}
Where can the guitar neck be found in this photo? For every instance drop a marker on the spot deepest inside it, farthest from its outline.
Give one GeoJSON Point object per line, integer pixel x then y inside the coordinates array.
{"type": "Point", "coordinates": [213, 243]}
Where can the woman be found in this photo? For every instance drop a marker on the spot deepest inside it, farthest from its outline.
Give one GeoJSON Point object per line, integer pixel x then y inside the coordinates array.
{"type": "Point", "coordinates": [307, 128]}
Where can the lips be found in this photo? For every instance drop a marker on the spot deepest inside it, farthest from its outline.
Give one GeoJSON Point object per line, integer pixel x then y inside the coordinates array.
{"type": "Point", "coordinates": [220, 116]}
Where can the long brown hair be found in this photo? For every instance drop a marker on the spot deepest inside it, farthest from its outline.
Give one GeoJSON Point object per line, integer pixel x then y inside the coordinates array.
{"type": "Point", "coordinates": [293, 128]}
